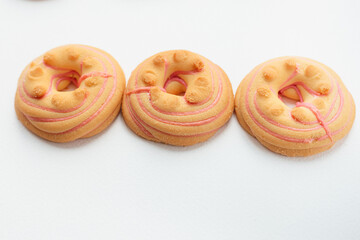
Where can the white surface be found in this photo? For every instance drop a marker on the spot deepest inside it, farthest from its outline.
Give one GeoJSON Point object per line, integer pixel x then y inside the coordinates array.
{"type": "Point", "coordinates": [119, 186]}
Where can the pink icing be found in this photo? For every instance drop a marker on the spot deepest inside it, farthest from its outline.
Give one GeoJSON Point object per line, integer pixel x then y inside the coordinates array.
{"type": "Point", "coordinates": [61, 75]}
{"type": "Point", "coordinates": [92, 74]}
{"type": "Point", "coordinates": [317, 114]}
{"type": "Point", "coordinates": [296, 71]}
{"type": "Point", "coordinates": [312, 92]}
{"type": "Point", "coordinates": [142, 90]}
{"type": "Point", "coordinates": [175, 79]}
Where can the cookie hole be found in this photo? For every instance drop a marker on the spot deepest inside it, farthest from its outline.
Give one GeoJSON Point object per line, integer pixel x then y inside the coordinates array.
{"type": "Point", "coordinates": [291, 103]}
{"type": "Point", "coordinates": [290, 95]}
{"type": "Point", "coordinates": [66, 84]}
{"type": "Point", "coordinates": [175, 86]}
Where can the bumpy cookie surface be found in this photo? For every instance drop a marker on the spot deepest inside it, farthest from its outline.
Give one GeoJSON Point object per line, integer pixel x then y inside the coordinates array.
{"type": "Point", "coordinates": [177, 97]}
{"type": "Point", "coordinates": [70, 92]}
{"type": "Point", "coordinates": [323, 114]}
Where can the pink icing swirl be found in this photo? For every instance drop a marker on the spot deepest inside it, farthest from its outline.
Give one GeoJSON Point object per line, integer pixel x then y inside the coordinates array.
{"type": "Point", "coordinates": [321, 120]}
{"type": "Point", "coordinates": [175, 77]}
{"type": "Point", "coordinates": [81, 77]}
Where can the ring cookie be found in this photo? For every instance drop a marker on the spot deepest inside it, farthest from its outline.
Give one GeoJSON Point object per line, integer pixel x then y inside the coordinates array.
{"type": "Point", "coordinates": [70, 92]}
{"type": "Point", "coordinates": [177, 97]}
{"type": "Point", "coordinates": [323, 113]}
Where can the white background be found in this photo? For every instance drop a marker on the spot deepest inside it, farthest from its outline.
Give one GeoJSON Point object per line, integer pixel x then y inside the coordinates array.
{"type": "Point", "coordinates": [119, 186]}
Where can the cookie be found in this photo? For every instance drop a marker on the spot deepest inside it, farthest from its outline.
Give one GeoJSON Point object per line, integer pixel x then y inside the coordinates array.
{"type": "Point", "coordinates": [177, 97]}
{"type": "Point", "coordinates": [70, 92]}
{"type": "Point", "coordinates": [322, 114]}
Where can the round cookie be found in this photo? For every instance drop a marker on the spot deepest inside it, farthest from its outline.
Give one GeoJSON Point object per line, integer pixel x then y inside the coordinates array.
{"type": "Point", "coordinates": [177, 97]}
{"type": "Point", "coordinates": [70, 92]}
{"type": "Point", "coordinates": [323, 113]}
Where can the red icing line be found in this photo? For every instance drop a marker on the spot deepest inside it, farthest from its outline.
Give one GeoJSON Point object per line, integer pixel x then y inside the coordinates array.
{"type": "Point", "coordinates": [92, 74]}
{"type": "Point", "coordinates": [142, 90]}
{"type": "Point", "coordinates": [175, 79]}
{"type": "Point", "coordinates": [340, 93]}
{"type": "Point", "coordinates": [165, 70]}
{"type": "Point", "coordinates": [292, 75]}
{"type": "Point", "coordinates": [136, 119]}
{"type": "Point", "coordinates": [317, 114]}
{"type": "Point", "coordinates": [59, 75]}
{"type": "Point", "coordinates": [312, 92]}
{"type": "Point", "coordinates": [177, 73]}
